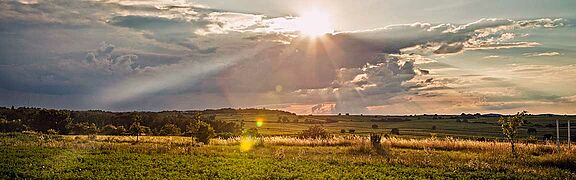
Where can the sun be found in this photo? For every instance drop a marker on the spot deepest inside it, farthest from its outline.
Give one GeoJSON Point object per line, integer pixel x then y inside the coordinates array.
{"type": "Point", "coordinates": [314, 23]}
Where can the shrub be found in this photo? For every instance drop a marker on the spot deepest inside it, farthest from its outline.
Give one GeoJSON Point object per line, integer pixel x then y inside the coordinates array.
{"type": "Point", "coordinates": [433, 127]}
{"type": "Point", "coordinates": [342, 130]}
{"type": "Point", "coordinates": [395, 131]}
{"type": "Point", "coordinates": [374, 126]}
{"type": "Point", "coordinates": [352, 131]}
{"type": "Point", "coordinates": [314, 132]}
{"type": "Point", "coordinates": [169, 129]}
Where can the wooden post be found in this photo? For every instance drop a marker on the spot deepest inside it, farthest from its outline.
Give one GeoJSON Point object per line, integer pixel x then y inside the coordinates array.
{"type": "Point", "coordinates": [558, 135]}
{"type": "Point", "coordinates": [569, 134]}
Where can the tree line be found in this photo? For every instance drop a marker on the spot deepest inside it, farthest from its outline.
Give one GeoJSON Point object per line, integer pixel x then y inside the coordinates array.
{"type": "Point", "coordinates": [200, 124]}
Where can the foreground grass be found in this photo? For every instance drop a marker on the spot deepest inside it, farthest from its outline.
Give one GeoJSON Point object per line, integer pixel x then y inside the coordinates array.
{"type": "Point", "coordinates": [54, 157]}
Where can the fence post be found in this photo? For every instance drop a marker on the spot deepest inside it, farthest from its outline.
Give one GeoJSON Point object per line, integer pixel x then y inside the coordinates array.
{"type": "Point", "coordinates": [558, 135]}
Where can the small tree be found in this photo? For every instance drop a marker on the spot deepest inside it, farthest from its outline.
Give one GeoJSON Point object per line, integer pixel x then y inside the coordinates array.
{"type": "Point", "coordinates": [204, 133]}
{"type": "Point", "coordinates": [136, 129]}
{"type": "Point", "coordinates": [510, 126]}
{"type": "Point", "coordinates": [169, 129]}
{"type": "Point", "coordinates": [201, 131]}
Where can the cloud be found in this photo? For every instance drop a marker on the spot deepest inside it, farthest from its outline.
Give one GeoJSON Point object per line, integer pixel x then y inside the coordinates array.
{"type": "Point", "coordinates": [170, 49]}
{"type": "Point", "coordinates": [541, 54]}
{"type": "Point", "coordinates": [491, 57]}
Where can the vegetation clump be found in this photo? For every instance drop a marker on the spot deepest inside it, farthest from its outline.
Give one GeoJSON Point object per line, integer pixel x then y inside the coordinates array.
{"type": "Point", "coordinates": [314, 132]}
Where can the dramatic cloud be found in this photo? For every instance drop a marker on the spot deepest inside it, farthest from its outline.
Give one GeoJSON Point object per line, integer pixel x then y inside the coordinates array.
{"type": "Point", "coordinates": [173, 52]}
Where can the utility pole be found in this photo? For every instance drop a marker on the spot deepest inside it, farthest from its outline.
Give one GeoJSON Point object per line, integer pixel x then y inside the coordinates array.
{"type": "Point", "coordinates": [558, 135]}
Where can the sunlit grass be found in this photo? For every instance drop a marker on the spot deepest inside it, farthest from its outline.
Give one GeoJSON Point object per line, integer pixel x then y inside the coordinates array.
{"type": "Point", "coordinates": [174, 156]}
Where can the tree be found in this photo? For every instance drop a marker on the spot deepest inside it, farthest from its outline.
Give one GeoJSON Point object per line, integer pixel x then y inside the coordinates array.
{"type": "Point", "coordinates": [51, 119]}
{"type": "Point", "coordinates": [136, 129]}
{"type": "Point", "coordinates": [510, 126]}
{"type": "Point", "coordinates": [204, 133]}
{"type": "Point", "coordinates": [315, 132]}
{"type": "Point", "coordinates": [83, 128]}
{"type": "Point", "coordinates": [169, 129]}
{"type": "Point", "coordinates": [12, 126]}
{"type": "Point", "coordinates": [201, 131]}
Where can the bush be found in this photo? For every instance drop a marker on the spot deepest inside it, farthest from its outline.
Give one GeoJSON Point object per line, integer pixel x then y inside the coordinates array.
{"type": "Point", "coordinates": [314, 132]}
{"type": "Point", "coordinates": [169, 129]}
{"type": "Point", "coordinates": [395, 131]}
{"type": "Point", "coordinates": [374, 126]}
{"type": "Point", "coordinates": [352, 131]}
{"type": "Point", "coordinates": [342, 130]}
{"type": "Point", "coordinates": [433, 127]}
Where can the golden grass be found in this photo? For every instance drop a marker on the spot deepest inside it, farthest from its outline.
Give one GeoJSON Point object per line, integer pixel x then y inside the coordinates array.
{"type": "Point", "coordinates": [182, 144]}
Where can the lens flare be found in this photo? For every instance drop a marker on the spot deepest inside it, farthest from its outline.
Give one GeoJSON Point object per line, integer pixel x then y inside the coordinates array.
{"type": "Point", "coordinates": [259, 122]}
{"type": "Point", "coordinates": [247, 143]}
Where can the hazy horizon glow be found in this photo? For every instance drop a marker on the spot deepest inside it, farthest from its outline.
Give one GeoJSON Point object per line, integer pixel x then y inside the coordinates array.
{"type": "Point", "coordinates": [326, 57]}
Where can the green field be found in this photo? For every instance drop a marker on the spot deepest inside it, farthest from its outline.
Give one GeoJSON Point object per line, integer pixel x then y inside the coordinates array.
{"type": "Point", "coordinates": [155, 157]}
{"type": "Point", "coordinates": [450, 150]}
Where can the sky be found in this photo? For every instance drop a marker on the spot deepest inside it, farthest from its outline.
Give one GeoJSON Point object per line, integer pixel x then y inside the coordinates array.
{"type": "Point", "coordinates": [319, 57]}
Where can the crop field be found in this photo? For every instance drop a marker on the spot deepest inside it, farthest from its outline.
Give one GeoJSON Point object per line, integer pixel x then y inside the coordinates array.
{"type": "Point", "coordinates": [34, 156]}
{"type": "Point", "coordinates": [409, 126]}
{"type": "Point", "coordinates": [423, 147]}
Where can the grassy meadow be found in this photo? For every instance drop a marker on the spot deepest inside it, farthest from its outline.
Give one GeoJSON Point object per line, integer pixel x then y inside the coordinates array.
{"type": "Point", "coordinates": [428, 147]}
